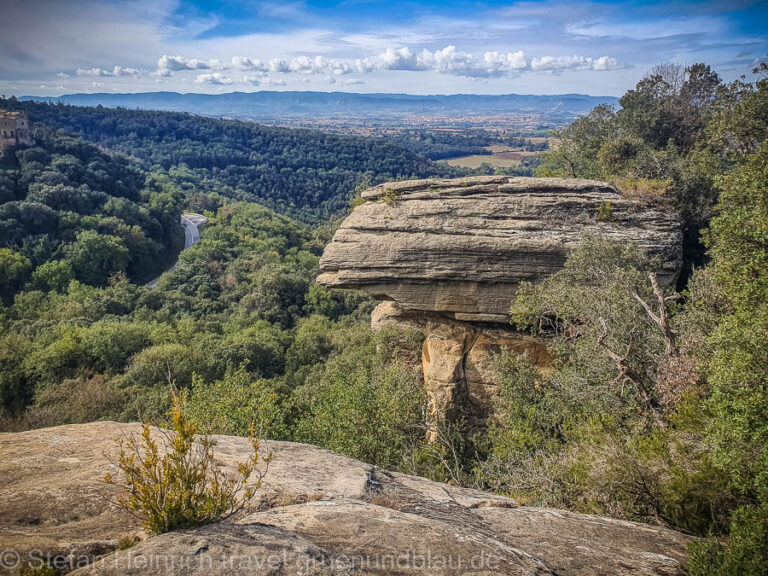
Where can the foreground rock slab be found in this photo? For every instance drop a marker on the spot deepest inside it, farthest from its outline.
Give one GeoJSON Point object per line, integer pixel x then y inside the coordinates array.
{"type": "Point", "coordinates": [317, 513]}
{"type": "Point", "coordinates": [462, 246]}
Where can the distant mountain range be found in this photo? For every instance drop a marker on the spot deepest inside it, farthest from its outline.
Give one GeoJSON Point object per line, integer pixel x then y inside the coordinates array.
{"type": "Point", "coordinates": [266, 105]}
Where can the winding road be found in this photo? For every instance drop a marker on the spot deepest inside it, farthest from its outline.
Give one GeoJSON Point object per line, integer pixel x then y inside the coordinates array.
{"type": "Point", "coordinates": [191, 223]}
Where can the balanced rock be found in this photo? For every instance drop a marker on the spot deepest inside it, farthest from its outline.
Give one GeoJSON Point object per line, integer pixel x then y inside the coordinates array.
{"type": "Point", "coordinates": [462, 246]}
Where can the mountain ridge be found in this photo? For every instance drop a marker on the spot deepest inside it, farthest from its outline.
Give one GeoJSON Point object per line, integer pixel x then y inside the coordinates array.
{"type": "Point", "coordinates": [264, 104]}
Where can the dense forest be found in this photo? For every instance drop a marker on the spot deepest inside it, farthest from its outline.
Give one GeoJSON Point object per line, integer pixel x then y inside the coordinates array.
{"type": "Point", "coordinates": [438, 144]}
{"type": "Point", "coordinates": [654, 411]}
{"type": "Point", "coordinates": [70, 211]}
{"type": "Point", "coordinates": [305, 174]}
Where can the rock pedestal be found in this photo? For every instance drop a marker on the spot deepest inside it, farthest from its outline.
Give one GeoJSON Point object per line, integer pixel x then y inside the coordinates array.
{"type": "Point", "coordinates": [448, 256]}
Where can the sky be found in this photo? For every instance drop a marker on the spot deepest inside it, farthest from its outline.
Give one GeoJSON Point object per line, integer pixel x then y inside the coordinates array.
{"type": "Point", "coordinates": [54, 47]}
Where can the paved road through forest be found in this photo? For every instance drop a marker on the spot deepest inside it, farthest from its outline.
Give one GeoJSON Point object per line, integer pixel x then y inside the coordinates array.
{"type": "Point", "coordinates": [191, 223]}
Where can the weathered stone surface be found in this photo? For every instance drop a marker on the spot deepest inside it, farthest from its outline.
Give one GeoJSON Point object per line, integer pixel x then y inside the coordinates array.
{"type": "Point", "coordinates": [318, 513]}
{"type": "Point", "coordinates": [462, 246]}
{"type": "Point", "coordinates": [458, 359]}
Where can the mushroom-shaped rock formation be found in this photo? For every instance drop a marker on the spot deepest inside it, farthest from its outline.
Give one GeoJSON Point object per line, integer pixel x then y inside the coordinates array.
{"type": "Point", "coordinates": [460, 247]}
{"type": "Point", "coordinates": [447, 257]}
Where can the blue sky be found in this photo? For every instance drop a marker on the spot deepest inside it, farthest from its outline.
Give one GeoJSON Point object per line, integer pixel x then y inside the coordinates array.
{"type": "Point", "coordinates": [50, 47]}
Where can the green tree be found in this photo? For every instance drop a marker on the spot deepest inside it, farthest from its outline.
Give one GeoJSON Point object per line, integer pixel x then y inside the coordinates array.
{"type": "Point", "coordinates": [738, 367]}
{"type": "Point", "coordinates": [14, 269]}
{"type": "Point", "coordinates": [54, 275]}
{"type": "Point", "coordinates": [95, 257]}
{"type": "Point", "coordinates": [235, 403]}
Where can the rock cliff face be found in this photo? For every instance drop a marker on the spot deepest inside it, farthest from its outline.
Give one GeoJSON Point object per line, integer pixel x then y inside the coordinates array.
{"type": "Point", "coordinates": [318, 513]}
{"type": "Point", "coordinates": [462, 246]}
{"type": "Point", "coordinates": [448, 255]}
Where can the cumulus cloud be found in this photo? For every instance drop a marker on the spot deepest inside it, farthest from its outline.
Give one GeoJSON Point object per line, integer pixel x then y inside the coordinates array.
{"type": "Point", "coordinates": [366, 65]}
{"type": "Point", "coordinates": [249, 64]}
{"type": "Point", "coordinates": [167, 65]}
{"type": "Point", "coordinates": [402, 59]}
{"type": "Point", "coordinates": [116, 71]}
{"type": "Point", "coordinates": [448, 60]}
{"type": "Point", "coordinates": [214, 78]}
{"type": "Point", "coordinates": [491, 64]}
{"type": "Point", "coordinates": [310, 65]}
{"type": "Point", "coordinates": [574, 62]}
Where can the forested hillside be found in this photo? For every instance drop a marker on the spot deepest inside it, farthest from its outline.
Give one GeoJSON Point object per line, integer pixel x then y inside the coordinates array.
{"type": "Point", "coordinates": [239, 324]}
{"type": "Point", "coordinates": [305, 174]}
{"type": "Point", "coordinates": [70, 211]}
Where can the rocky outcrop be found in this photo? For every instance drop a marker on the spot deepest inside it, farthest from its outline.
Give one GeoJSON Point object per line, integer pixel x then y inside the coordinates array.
{"type": "Point", "coordinates": [457, 359]}
{"type": "Point", "coordinates": [448, 255]}
{"type": "Point", "coordinates": [317, 513]}
{"type": "Point", "coordinates": [461, 247]}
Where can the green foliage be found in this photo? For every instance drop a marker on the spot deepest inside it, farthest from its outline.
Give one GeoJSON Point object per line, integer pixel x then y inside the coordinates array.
{"type": "Point", "coordinates": [14, 268]}
{"type": "Point", "coordinates": [614, 426]}
{"type": "Point", "coordinates": [164, 363]}
{"type": "Point", "coordinates": [96, 257]}
{"type": "Point", "coordinates": [232, 405]}
{"type": "Point", "coordinates": [177, 483]}
{"type": "Point", "coordinates": [605, 212]}
{"type": "Point", "coordinates": [362, 403]}
{"type": "Point", "coordinates": [74, 205]}
{"type": "Point", "coordinates": [53, 275]}
{"type": "Point", "coordinates": [306, 174]}
{"type": "Point", "coordinates": [737, 367]}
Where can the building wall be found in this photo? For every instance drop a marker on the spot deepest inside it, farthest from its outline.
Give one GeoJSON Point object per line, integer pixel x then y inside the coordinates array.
{"type": "Point", "coordinates": [14, 130]}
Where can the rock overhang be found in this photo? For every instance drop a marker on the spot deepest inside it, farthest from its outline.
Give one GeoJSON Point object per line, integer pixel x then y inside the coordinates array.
{"type": "Point", "coordinates": [460, 247]}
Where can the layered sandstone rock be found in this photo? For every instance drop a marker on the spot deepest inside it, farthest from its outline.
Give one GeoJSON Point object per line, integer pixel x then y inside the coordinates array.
{"type": "Point", "coordinates": [447, 256]}
{"type": "Point", "coordinates": [458, 359]}
{"type": "Point", "coordinates": [462, 246]}
{"type": "Point", "coordinates": [317, 513]}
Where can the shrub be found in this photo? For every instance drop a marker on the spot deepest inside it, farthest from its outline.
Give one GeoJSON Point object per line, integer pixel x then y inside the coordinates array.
{"type": "Point", "coordinates": [179, 485]}
{"type": "Point", "coordinates": [605, 212]}
{"type": "Point", "coordinates": [362, 403]}
{"type": "Point", "coordinates": [233, 404]}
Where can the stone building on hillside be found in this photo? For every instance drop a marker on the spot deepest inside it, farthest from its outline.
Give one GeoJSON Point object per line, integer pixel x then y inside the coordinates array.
{"type": "Point", "coordinates": [14, 130]}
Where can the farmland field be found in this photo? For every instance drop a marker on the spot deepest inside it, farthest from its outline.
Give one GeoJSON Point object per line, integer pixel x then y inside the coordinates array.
{"type": "Point", "coordinates": [501, 157]}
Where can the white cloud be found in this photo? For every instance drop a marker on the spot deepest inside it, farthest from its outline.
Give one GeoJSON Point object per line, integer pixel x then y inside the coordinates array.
{"type": "Point", "coordinates": [366, 65]}
{"type": "Point", "coordinates": [492, 64]}
{"type": "Point", "coordinates": [448, 61]}
{"type": "Point", "coordinates": [279, 65]}
{"type": "Point", "coordinates": [310, 65]}
{"type": "Point", "coordinates": [116, 71]}
{"type": "Point", "coordinates": [401, 59]}
{"type": "Point", "coordinates": [574, 62]}
{"type": "Point", "coordinates": [167, 65]}
{"type": "Point", "coordinates": [247, 64]}
{"type": "Point", "coordinates": [215, 78]}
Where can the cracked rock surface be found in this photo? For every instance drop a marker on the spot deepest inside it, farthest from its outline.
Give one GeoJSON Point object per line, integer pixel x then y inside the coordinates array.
{"type": "Point", "coordinates": [317, 513]}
